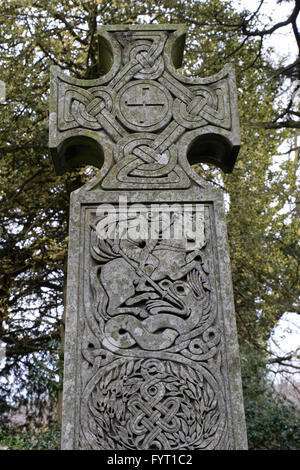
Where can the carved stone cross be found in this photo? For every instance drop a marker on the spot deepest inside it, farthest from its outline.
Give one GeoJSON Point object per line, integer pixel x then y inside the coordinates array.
{"type": "Point", "coordinates": [151, 353]}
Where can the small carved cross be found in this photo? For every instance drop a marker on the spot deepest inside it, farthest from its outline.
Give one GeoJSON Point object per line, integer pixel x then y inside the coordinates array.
{"type": "Point", "coordinates": [146, 100]}
{"type": "Point", "coordinates": [2, 91]}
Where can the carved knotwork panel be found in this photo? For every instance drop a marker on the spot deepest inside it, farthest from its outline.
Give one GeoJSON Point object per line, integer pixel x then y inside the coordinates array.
{"type": "Point", "coordinates": [153, 374]}
{"type": "Point", "coordinates": [143, 95]}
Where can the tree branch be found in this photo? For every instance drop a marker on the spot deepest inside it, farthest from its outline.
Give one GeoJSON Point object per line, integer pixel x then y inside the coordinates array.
{"type": "Point", "coordinates": [290, 20]}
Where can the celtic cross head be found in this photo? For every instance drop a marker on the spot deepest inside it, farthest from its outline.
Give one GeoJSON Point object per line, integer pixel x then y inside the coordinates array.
{"type": "Point", "coordinates": [141, 119]}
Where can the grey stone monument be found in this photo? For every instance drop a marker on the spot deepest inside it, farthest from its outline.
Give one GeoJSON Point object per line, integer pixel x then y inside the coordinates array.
{"type": "Point", "coordinates": [151, 351]}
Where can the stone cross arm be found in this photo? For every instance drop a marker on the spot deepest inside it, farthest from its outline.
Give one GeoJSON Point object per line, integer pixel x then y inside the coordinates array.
{"type": "Point", "coordinates": [141, 118]}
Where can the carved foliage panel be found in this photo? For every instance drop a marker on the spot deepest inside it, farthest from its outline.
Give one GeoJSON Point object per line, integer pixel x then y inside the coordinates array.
{"type": "Point", "coordinates": [152, 364]}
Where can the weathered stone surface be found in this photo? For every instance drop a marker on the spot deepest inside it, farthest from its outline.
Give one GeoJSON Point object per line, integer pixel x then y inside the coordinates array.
{"type": "Point", "coordinates": [151, 352]}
